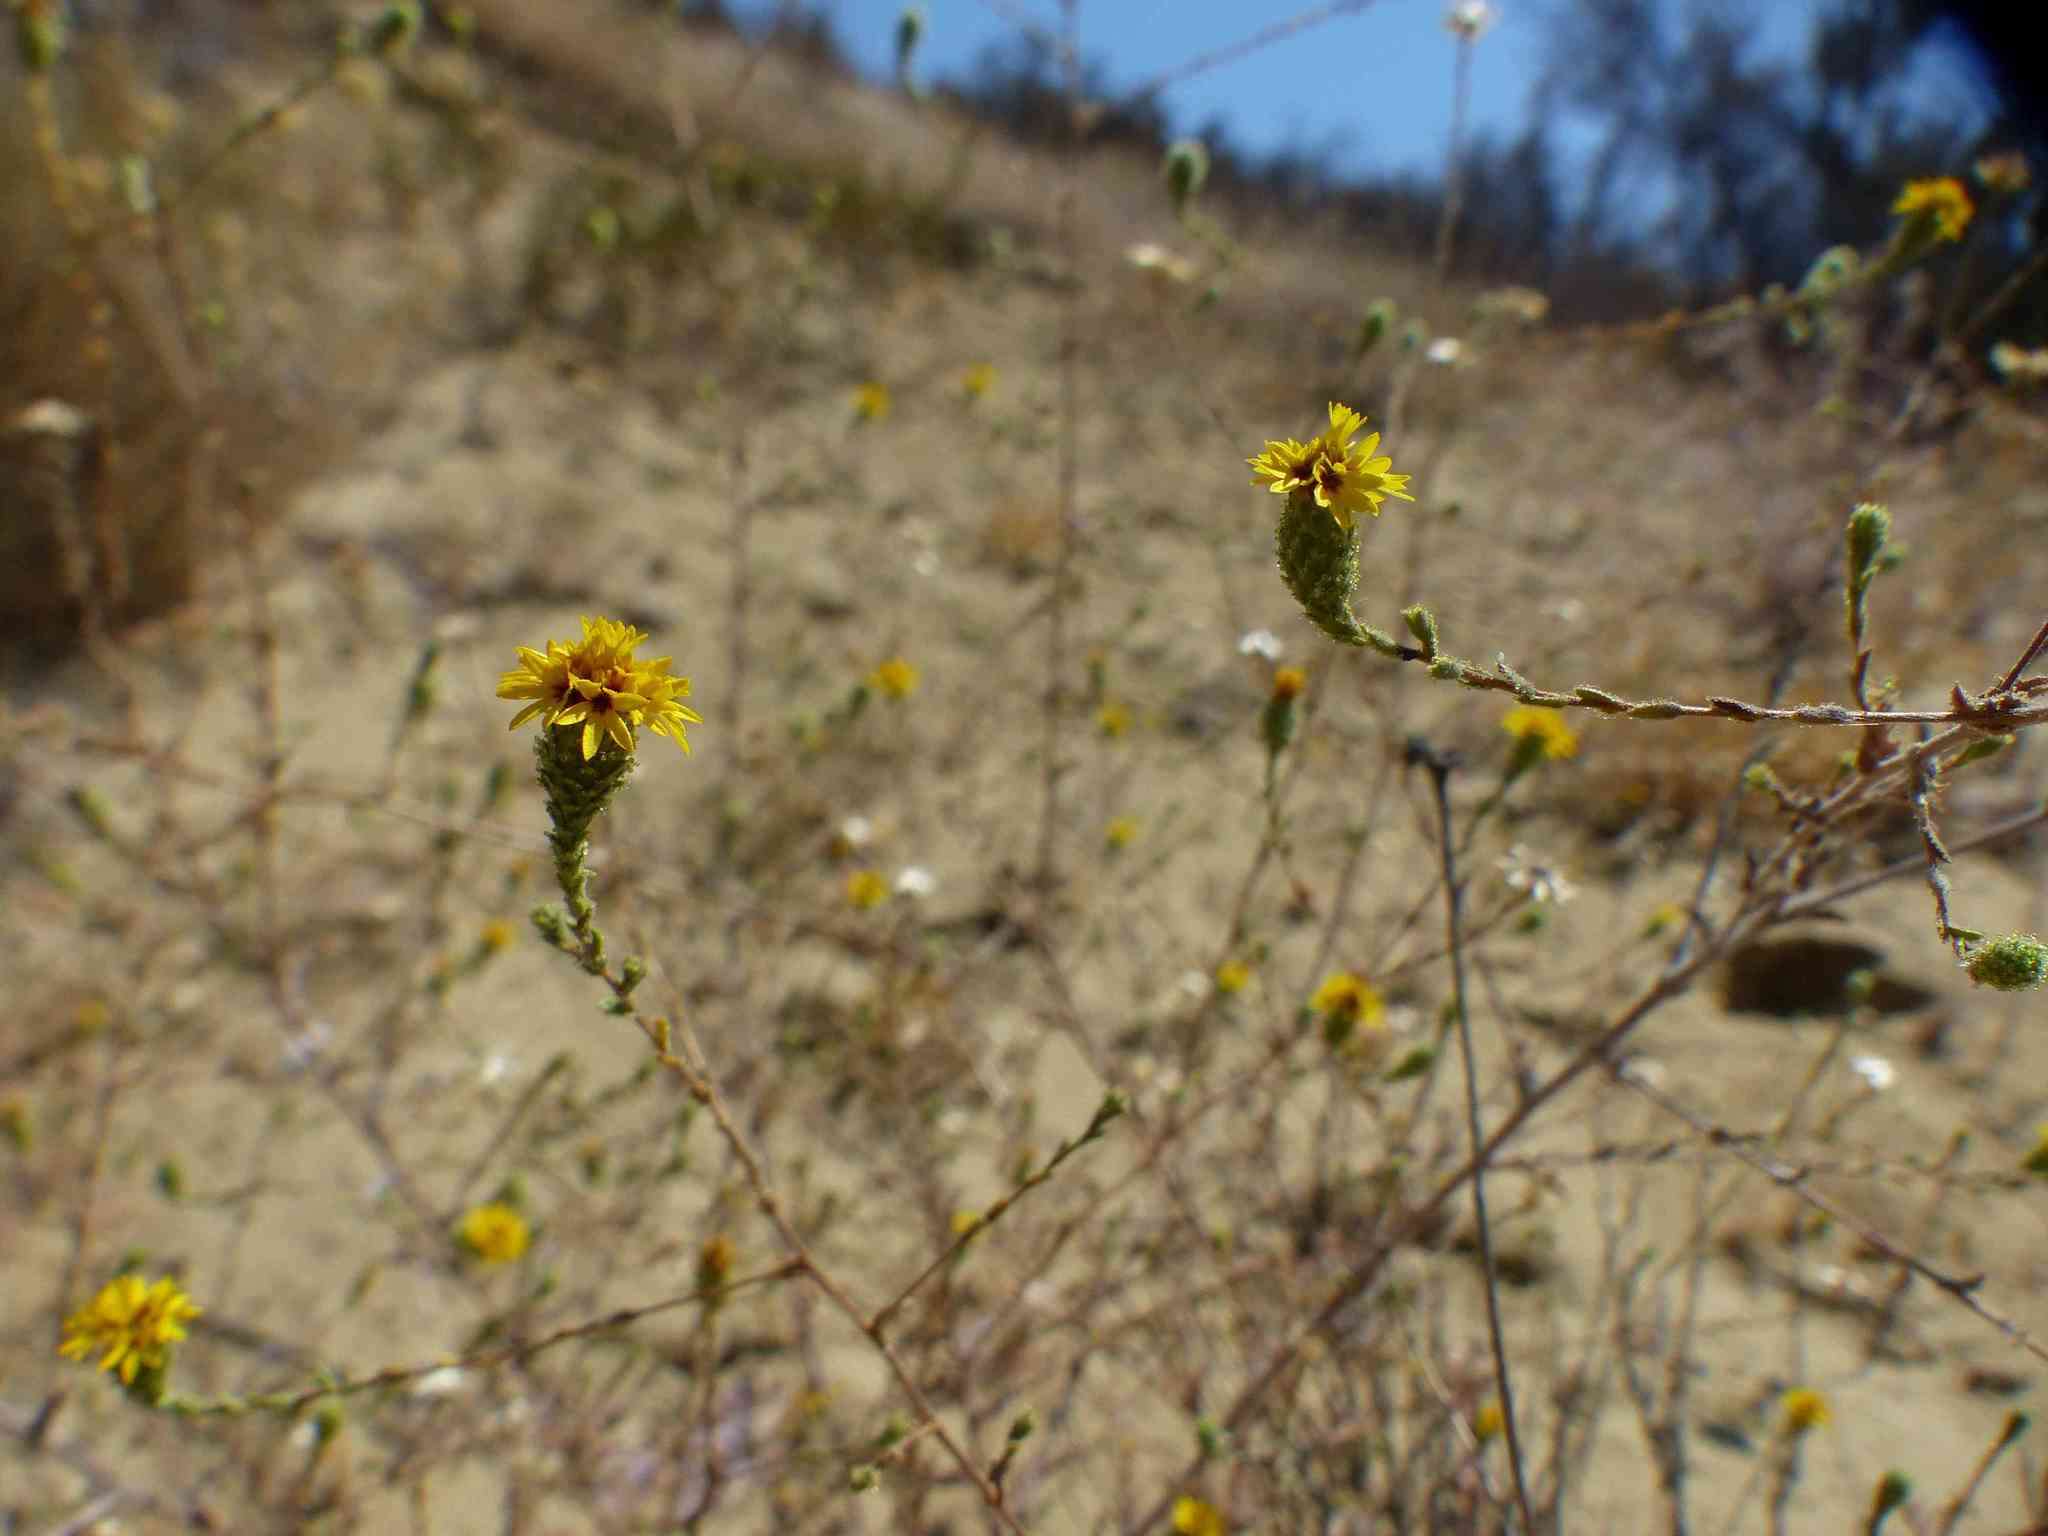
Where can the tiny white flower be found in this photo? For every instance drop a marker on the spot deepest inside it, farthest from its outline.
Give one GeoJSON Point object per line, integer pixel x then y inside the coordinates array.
{"type": "Point", "coordinates": [1877, 1073]}
{"type": "Point", "coordinates": [1445, 351]}
{"type": "Point", "coordinates": [445, 1381]}
{"type": "Point", "coordinates": [1197, 985]}
{"type": "Point", "coordinates": [856, 832]}
{"type": "Point", "coordinates": [915, 881]}
{"type": "Point", "coordinates": [1471, 19]}
{"type": "Point", "coordinates": [495, 1066]}
{"type": "Point", "coordinates": [1537, 880]}
{"type": "Point", "coordinates": [1259, 642]}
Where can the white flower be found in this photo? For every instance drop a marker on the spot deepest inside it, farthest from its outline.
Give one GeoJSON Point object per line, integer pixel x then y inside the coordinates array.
{"type": "Point", "coordinates": [1149, 257]}
{"type": "Point", "coordinates": [1195, 985]}
{"type": "Point", "coordinates": [1259, 642]}
{"type": "Point", "coordinates": [1643, 1069]}
{"type": "Point", "coordinates": [854, 832]}
{"type": "Point", "coordinates": [1471, 19]}
{"type": "Point", "coordinates": [915, 881]}
{"type": "Point", "coordinates": [1445, 351]}
{"type": "Point", "coordinates": [1877, 1073]}
{"type": "Point", "coordinates": [495, 1066]}
{"type": "Point", "coordinates": [1539, 881]}
{"type": "Point", "coordinates": [444, 1381]}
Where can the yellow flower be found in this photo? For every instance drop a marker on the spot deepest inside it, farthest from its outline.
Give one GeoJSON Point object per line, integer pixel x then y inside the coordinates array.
{"type": "Point", "coordinates": [978, 380]}
{"type": "Point", "coordinates": [894, 679]}
{"type": "Point", "coordinates": [1192, 1517]}
{"type": "Point", "coordinates": [866, 889]}
{"type": "Point", "coordinates": [1120, 833]}
{"type": "Point", "coordinates": [871, 402]}
{"type": "Point", "coordinates": [1803, 1409]}
{"type": "Point", "coordinates": [1343, 476]}
{"type": "Point", "coordinates": [495, 1233]}
{"type": "Point", "coordinates": [1488, 1421]}
{"type": "Point", "coordinates": [714, 1264]}
{"type": "Point", "coordinates": [1232, 977]}
{"type": "Point", "coordinates": [1941, 199]}
{"type": "Point", "coordinates": [597, 684]}
{"type": "Point", "coordinates": [130, 1325]}
{"type": "Point", "coordinates": [1544, 728]}
{"type": "Point", "coordinates": [1289, 682]}
{"type": "Point", "coordinates": [965, 1221]}
{"type": "Point", "coordinates": [1350, 1000]}
{"type": "Point", "coordinates": [1113, 719]}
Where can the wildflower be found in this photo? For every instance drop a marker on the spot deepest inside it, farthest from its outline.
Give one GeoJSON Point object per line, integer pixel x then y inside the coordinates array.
{"type": "Point", "coordinates": [1488, 1421]}
{"type": "Point", "coordinates": [495, 1233]}
{"type": "Point", "coordinates": [1445, 351]}
{"type": "Point", "coordinates": [915, 881]}
{"type": "Point", "coordinates": [598, 684]}
{"type": "Point", "coordinates": [894, 679]}
{"type": "Point", "coordinates": [1540, 732]}
{"type": "Point", "coordinates": [1941, 201]}
{"type": "Point", "coordinates": [1541, 883]}
{"type": "Point", "coordinates": [1192, 1517]}
{"type": "Point", "coordinates": [865, 889]}
{"type": "Point", "coordinates": [1289, 682]}
{"type": "Point", "coordinates": [442, 1381]}
{"type": "Point", "coordinates": [496, 1068]}
{"type": "Point", "coordinates": [1232, 977]}
{"type": "Point", "coordinates": [1120, 833]}
{"type": "Point", "coordinates": [1877, 1073]}
{"type": "Point", "coordinates": [496, 935]}
{"type": "Point", "coordinates": [1470, 20]}
{"type": "Point", "coordinates": [871, 402]}
{"type": "Point", "coordinates": [1259, 642]}
{"type": "Point", "coordinates": [965, 1221]}
{"type": "Point", "coordinates": [978, 380]}
{"type": "Point", "coordinates": [1342, 477]}
{"type": "Point", "coordinates": [1346, 1004]}
{"type": "Point", "coordinates": [1803, 1409]}
{"type": "Point", "coordinates": [1113, 719]}
{"type": "Point", "coordinates": [130, 1325]}
{"type": "Point", "coordinates": [851, 835]}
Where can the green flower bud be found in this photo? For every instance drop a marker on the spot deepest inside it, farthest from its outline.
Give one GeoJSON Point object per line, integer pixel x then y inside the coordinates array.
{"type": "Point", "coordinates": [1186, 169]}
{"type": "Point", "coordinates": [1380, 318]}
{"type": "Point", "coordinates": [2015, 962]}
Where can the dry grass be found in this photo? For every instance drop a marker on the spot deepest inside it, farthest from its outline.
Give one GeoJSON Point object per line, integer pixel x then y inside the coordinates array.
{"type": "Point", "coordinates": [569, 321]}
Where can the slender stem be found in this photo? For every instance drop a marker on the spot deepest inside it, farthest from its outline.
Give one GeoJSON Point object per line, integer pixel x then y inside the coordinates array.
{"type": "Point", "coordinates": [1439, 779]}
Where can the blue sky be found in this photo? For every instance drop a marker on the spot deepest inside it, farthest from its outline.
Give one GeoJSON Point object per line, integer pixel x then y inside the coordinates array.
{"type": "Point", "coordinates": [1372, 90]}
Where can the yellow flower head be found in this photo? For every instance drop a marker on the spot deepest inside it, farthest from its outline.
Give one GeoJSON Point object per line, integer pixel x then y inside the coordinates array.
{"type": "Point", "coordinates": [1940, 199]}
{"type": "Point", "coordinates": [495, 1233]}
{"type": "Point", "coordinates": [1488, 1421]}
{"type": "Point", "coordinates": [865, 889]}
{"type": "Point", "coordinates": [130, 1325]}
{"type": "Point", "coordinates": [497, 935]}
{"type": "Point", "coordinates": [1343, 477]}
{"type": "Point", "coordinates": [1803, 1409]}
{"type": "Point", "coordinates": [1349, 998]}
{"type": "Point", "coordinates": [1113, 719]}
{"type": "Point", "coordinates": [894, 679]}
{"type": "Point", "coordinates": [1192, 1517]}
{"type": "Point", "coordinates": [1120, 833]}
{"type": "Point", "coordinates": [871, 402]}
{"type": "Point", "coordinates": [1289, 682]}
{"type": "Point", "coordinates": [597, 685]}
{"type": "Point", "coordinates": [978, 380]}
{"type": "Point", "coordinates": [1544, 729]}
{"type": "Point", "coordinates": [1232, 977]}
